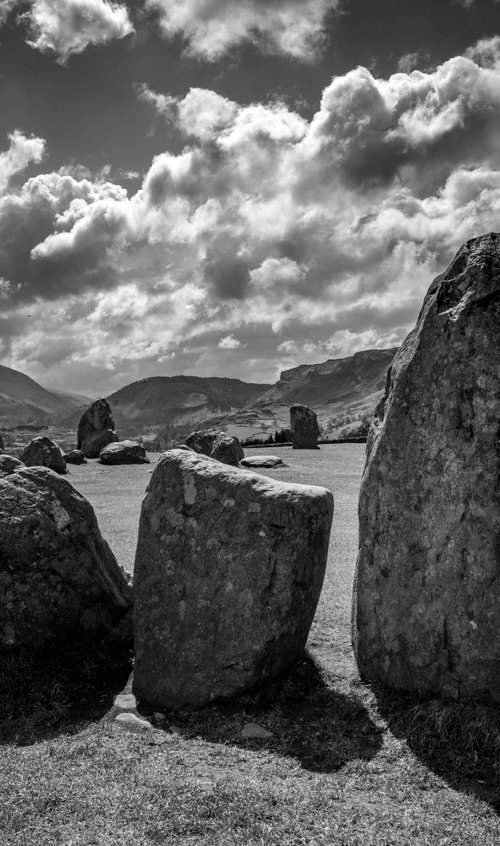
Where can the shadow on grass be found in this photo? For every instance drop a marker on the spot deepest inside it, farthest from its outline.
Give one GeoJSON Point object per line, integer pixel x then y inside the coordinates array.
{"type": "Point", "coordinates": [459, 742]}
{"type": "Point", "coordinates": [309, 721]}
{"type": "Point", "coordinates": [46, 694]}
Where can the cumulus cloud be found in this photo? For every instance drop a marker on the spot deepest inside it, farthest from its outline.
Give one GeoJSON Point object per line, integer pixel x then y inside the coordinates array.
{"type": "Point", "coordinates": [212, 27]}
{"type": "Point", "coordinates": [22, 152]}
{"type": "Point", "coordinates": [65, 27]}
{"type": "Point", "coordinates": [229, 342]}
{"type": "Point", "coordinates": [267, 233]}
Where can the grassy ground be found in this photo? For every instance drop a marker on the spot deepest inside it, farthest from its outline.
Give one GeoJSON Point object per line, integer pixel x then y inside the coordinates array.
{"type": "Point", "coordinates": [346, 764]}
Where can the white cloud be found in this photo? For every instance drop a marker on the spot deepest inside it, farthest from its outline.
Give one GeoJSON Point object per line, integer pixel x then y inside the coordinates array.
{"type": "Point", "coordinates": [212, 27]}
{"type": "Point", "coordinates": [267, 234]}
{"type": "Point", "coordinates": [229, 343]}
{"type": "Point", "coordinates": [22, 152]}
{"type": "Point", "coordinates": [70, 26]}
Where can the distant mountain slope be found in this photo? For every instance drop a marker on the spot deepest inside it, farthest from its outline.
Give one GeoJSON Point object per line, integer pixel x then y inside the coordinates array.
{"type": "Point", "coordinates": [341, 392]}
{"type": "Point", "coordinates": [344, 380]}
{"type": "Point", "coordinates": [22, 400]}
{"type": "Point", "coordinates": [180, 400]}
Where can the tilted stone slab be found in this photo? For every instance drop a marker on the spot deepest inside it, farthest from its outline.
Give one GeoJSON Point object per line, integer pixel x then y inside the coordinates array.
{"type": "Point", "coordinates": [427, 593]}
{"type": "Point", "coordinates": [228, 572]}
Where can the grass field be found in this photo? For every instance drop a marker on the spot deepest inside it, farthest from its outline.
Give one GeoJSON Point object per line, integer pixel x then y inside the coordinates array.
{"type": "Point", "coordinates": [346, 764]}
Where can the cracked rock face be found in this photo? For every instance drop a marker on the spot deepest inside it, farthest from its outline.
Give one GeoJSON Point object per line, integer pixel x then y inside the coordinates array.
{"type": "Point", "coordinates": [228, 572]}
{"type": "Point", "coordinates": [304, 426]}
{"type": "Point", "coordinates": [59, 579]}
{"type": "Point", "coordinates": [426, 604]}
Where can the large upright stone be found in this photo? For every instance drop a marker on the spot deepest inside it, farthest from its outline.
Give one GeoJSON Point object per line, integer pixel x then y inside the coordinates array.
{"type": "Point", "coordinates": [227, 449]}
{"type": "Point", "coordinates": [228, 572]}
{"type": "Point", "coordinates": [60, 581]}
{"type": "Point", "coordinates": [96, 429]}
{"type": "Point", "coordinates": [426, 606]}
{"type": "Point", "coordinates": [43, 452]}
{"type": "Point", "coordinates": [304, 426]}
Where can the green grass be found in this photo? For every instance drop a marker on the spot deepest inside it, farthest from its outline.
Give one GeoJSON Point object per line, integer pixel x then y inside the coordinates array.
{"type": "Point", "coordinates": [346, 764]}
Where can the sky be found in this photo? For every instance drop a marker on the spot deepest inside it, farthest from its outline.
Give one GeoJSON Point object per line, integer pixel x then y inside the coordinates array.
{"type": "Point", "coordinates": [235, 187]}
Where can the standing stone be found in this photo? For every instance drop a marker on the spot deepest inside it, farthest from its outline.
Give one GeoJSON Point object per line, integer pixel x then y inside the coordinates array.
{"type": "Point", "coordinates": [201, 442]}
{"type": "Point", "coordinates": [2, 445]}
{"type": "Point", "coordinates": [426, 605]}
{"type": "Point", "coordinates": [228, 572]}
{"type": "Point", "coordinates": [96, 429]}
{"type": "Point", "coordinates": [43, 452]}
{"type": "Point", "coordinates": [227, 449]}
{"type": "Point", "coordinates": [304, 426]}
{"type": "Point", "coordinates": [60, 580]}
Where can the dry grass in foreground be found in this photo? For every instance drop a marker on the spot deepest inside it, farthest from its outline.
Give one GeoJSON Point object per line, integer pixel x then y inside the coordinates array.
{"type": "Point", "coordinates": [344, 766]}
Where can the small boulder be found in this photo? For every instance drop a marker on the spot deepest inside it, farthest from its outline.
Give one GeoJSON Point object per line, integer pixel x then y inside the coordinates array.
{"type": "Point", "coordinates": [43, 452]}
{"type": "Point", "coordinates": [96, 429]}
{"type": "Point", "coordinates": [262, 461]}
{"type": "Point", "coordinates": [74, 456]}
{"type": "Point", "coordinates": [228, 450]}
{"type": "Point", "coordinates": [9, 464]}
{"type": "Point", "coordinates": [228, 572]}
{"type": "Point", "coordinates": [124, 452]}
{"type": "Point", "coordinates": [60, 581]}
{"type": "Point", "coordinates": [304, 426]}
{"type": "Point", "coordinates": [201, 442]}
{"type": "Point", "coordinates": [427, 589]}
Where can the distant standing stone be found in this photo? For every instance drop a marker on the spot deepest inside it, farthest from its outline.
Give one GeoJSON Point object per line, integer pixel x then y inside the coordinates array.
{"type": "Point", "coordinates": [427, 592]}
{"type": "Point", "coordinates": [304, 426]}
{"type": "Point", "coordinates": [228, 572]}
{"type": "Point", "coordinates": [262, 461]}
{"type": "Point", "coordinates": [96, 429]}
{"type": "Point", "coordinates": [43, 452]}
{"type": "Point", "coordinates": [201, 442]}
{"type": "Point", "coordinates": [74, 456]}
{"type": "Point", "coordinates": [227, 449]}
{"type": "Point", "coordinates": [60, 580]}
{"type": "Point", "coordinates": [2, 445]}
{"type": "Point", "coordinates": [124, 452]}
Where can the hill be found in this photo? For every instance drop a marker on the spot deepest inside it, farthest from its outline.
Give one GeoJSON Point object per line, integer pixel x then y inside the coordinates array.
{"type": "Point", "coordinates": [180, 401]}
{"type": "Point", "coordinates": [22, 400]}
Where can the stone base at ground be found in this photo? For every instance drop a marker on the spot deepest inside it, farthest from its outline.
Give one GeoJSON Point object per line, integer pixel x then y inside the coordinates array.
{"type": "Point", "coordinates": [427, 591]}
{"type": "Point", "coordinates": [228, 572]}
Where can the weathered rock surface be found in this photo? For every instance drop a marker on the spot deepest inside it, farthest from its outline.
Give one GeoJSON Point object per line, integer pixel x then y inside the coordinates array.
{"type": "Point", "coordinates": [201, 442]}
{"type": "Point", "coordinates": [262, 461]}
{"type": "Point", "coordinates": [43, 452]}
{"type": "Point", "coordinates": [60, 581]}
{"type": "Point", "coordinates": [227, 449]}
{"type": "Point", "coordinates": [124, 452]}
{"type": "Point", "coordinates": [96, 429]}
{"type": "Point", "coordinates": [9, 464]}
{"type": "Point", "coordinates": [304, 426]}
{"type": "Point", "coordinates": [427, 593]}
{"type": "Point", "coordinates": [74, 456]}
{"type": "Point", "coordinates": [228, 572]}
